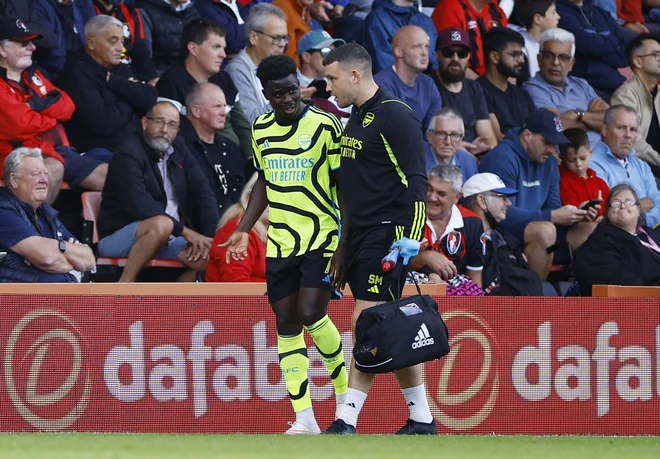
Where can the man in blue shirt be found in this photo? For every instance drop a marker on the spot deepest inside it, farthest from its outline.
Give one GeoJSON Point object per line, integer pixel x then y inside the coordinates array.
{"type": "Point", "coordinates": [445, 134]}
{"type": "Point", "coordinates": [39, 248]}
{"type": "Point", "coordinates": [524, 161]}
{"type": "Point", "coordinates": [615, 161]}
{"type": "Point", "coordinates": [406, 79]}
{"type": "Point", "coordinates": [572, 98]}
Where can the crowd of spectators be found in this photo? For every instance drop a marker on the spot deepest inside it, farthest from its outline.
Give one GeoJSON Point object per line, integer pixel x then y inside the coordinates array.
{"type": "Point", "coordinates": [530, 114]}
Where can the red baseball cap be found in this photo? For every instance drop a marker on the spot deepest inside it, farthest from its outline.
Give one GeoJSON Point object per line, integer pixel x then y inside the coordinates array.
{"type": "Point", "coordinates": [452, 37]}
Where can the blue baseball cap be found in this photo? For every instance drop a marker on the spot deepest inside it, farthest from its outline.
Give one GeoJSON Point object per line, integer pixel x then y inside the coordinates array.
{"type": "Point", "coordinates": [548, 124]}
{"type": "Point", "coordinates": [317, 39]}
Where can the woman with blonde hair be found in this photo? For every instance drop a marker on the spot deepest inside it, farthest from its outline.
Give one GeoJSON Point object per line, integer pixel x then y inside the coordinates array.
{"type": "Point", "coordinates": [253, 267]}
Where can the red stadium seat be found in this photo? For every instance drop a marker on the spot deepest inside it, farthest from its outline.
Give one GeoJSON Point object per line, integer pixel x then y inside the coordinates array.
{"type": "Point", "coordinates": [91, 204]}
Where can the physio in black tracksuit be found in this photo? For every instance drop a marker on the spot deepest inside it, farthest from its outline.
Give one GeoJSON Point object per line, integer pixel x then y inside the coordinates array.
{"type": "Point", "coordinates": [383, 206]}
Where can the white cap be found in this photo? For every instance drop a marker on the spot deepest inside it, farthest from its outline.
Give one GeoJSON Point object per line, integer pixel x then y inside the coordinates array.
{"type": "Point", "coordinates": [481, 183]}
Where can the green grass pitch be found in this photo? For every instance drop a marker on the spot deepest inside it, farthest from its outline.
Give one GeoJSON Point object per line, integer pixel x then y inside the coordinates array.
{"type": "Point", "coordinates": [139, 446]}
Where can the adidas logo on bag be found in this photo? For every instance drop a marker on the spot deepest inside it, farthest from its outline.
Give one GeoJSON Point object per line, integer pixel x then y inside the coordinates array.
{"type": "Point", "coordinates": [423, 338]}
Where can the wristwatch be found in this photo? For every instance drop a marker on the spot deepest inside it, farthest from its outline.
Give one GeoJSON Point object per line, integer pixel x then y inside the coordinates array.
{"type": "Point", "coordinates": [62, 246]}
{"type": "Point", "coordinates": [580, 114]}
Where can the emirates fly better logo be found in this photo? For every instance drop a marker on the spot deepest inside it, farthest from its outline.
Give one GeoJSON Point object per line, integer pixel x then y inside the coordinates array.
{"type": "Point", "coordinates": [44, 370]}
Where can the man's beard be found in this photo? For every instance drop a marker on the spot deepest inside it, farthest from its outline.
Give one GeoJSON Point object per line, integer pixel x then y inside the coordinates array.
{"type": "Point", "coordinates": [507, 71]}
{"type": "Point", "coordinates": [452, 77]}
{"type": "Point", "coordinates": [158, 143]}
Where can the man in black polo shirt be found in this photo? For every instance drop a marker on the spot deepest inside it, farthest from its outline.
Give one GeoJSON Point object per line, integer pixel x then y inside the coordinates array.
{"type": "Point", "coordinates": [219, 159]}
{"type": "Point", "coordinates": [460, 93]}
{"type": "Point", "coordinates": [384, 208]}
{"type": "Point", "coordinates": [508, 105]}
{"type": "Point", "coordinates": [203, 46]}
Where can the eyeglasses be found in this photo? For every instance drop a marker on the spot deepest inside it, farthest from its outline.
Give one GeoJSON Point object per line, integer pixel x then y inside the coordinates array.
{"type": "Point", "coordinates": [616, 203]}
{"type": "Point", "coordinates": [461, 53]}
{"type": "Point", "coordinates": [161, 123]}
{"type": "Point", "coordinates": [550, 56]}
{"type": "Point", "coordinates": [655, 54]}
{"type": "Point", "coordinates": [442, 135]}
{"type": "Point", "coordinates": [277, 39]}
{"type": "Point", "coordinates": [516, 55]}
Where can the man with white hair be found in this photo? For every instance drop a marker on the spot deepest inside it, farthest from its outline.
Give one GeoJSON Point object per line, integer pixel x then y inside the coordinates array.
{"type": "Point", "coordinates": [156, 201]}
{"type": "Point", "coordinates": [108, 98]}
{"type": "Point", "coordinates": [445, 134]}
{"type": "Point", "coordinates": [39, 247]}
{"type": "Point", "coordinates": [32, 111]}
{"type": "Point", "coordinates": [572, 98]}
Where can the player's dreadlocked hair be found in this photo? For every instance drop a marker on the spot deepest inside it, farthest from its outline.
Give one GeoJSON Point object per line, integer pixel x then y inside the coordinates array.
{"type": "Point", "coordinates": [276, 68]}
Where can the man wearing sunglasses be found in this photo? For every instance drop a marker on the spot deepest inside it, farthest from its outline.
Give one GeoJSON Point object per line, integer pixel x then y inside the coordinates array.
{"type": "Point", "coordinates": [462, 94]}
{"type": "Point", "coordinates": [641, 93]}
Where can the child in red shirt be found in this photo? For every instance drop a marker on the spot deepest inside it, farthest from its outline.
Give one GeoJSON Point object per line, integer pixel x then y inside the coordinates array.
{"type": "Point", "coordinates": [578, 183]}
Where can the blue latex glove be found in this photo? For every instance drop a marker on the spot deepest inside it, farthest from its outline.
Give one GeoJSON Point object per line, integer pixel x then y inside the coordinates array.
{"type": "Point", "coordinates": [408, 248]}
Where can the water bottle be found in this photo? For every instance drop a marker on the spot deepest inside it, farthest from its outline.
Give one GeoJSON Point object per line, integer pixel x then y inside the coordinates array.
{"type": "Point", "coordinates": [389, 261]}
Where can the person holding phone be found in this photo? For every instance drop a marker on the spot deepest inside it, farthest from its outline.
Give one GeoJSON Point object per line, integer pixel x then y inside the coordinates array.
{"type": "Point", "coordinates": [578, 184]}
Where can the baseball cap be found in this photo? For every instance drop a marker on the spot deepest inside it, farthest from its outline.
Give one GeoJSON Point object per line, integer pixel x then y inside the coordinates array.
{"type": "Point", "coordinates": [481, 183]}
{"type": "Point", "coordinates": [547, 124]}
{"type": "Point", "coordinates": [317, 39]}
{"type": "Point", "coordinates": [452, 37]}
{"type": "Point", "coordinates": [16, 30]}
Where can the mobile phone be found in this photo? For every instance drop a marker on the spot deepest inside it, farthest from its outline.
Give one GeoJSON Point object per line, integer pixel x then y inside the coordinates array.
{"type": "Point", "coordinates": [591, 203]}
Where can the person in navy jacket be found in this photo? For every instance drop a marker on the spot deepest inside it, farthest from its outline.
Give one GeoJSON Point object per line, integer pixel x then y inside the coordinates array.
{"type": "Point", "coordinates": [525, 160]}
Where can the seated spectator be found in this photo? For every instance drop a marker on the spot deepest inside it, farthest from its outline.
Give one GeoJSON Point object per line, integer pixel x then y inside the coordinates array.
{"type": "Point", "coordinates": [384, 20]}
{"type": "Point", "coordinates": [453, 232]}
{"type": "Point", "coordinates": [525, 161]}
{"type": "Point", "coordinates": [576, 103]}
{"type": "Point", "coordinates": [599, 44]}
{"type": "Point", "coordinates": [406, 79]}
{"type": "Point", "coordinates": [33, 110]}
{"type": "Point", "coordinates": [220, 160]}
{"type": "Point", "coordinates": [298, 18]}
{"type": "Point", "coordinates": [578, 183]}
{"type": "Point", "coordinates": [508, 105]}
{"type": "Point", "coordinates": [69, 19]}
{"type": "Point", "coordinates": [628, 14]}
{"type": "Point", "coordinates": [39, 247]}
{"type": "Point", "coordinates": [445, 134]}
{"type": "Point", "coordinates": [505, 272]}
{"type": "Point", "coordinates": [622, 250]}
{"type": "Point", "coordinates": [156, 201]}
{"type": "Point", "coordinates": [136, 50]}
{"type": "Point", "coordinates": [44, 12]}
{"type": "Point", "coordinates": [203, 51]}
{"type": "Point", "coordinates": [460, 93]}
{"type": "Point", "coordinates": [476, 17]}
{"type": "Point", "coordinates": [163, 25]}
{"type": "Point", "coordinates": [267, 36]}
{"type": "Point", "coordinates": [253, 267]}
{"type": "Point", "coordinates": [108, 98]}
{"type": "Point", "coordinates": [536, 16]}
{"type": "Point", "coordinates": [615, 161]}
{"type": "Point", "coordinates": [641, 93]}
{"type": "Point", "coordinates": [231, 15]}
{"type": "Point", "coordinates": [313, 47]}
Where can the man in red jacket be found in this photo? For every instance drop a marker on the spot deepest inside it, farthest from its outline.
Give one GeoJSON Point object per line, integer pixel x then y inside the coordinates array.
{"type": "Point", "coordinates": [32, 110]}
